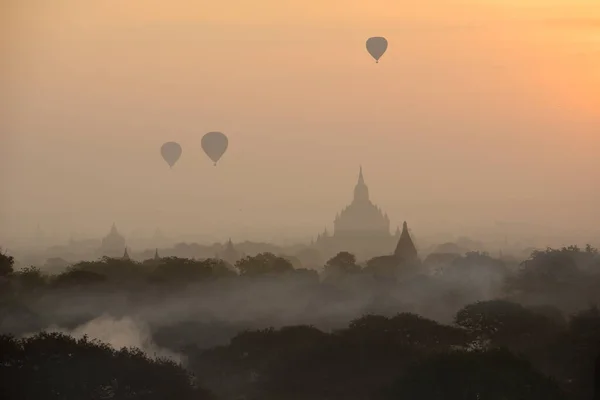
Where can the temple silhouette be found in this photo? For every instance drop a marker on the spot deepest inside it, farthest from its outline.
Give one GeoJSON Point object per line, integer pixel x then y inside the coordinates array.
{"type": "Point", "coordinates": [229, 253]}
{"type": "Point", "coordinates": [113, 244]}
{"type": "Point", "coordinates": [363, 229]}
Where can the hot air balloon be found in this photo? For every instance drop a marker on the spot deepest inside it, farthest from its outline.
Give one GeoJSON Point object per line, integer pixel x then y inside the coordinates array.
{"type": "Point", "coordinates": [214, 145]}
{"type": "Point", "coordinates": [376, 46]}
{"type": "Point", "coordinates": [171, 152]}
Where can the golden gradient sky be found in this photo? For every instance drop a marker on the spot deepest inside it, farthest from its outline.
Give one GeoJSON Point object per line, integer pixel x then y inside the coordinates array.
{"type": "Point", "coordinates": [481, 110]}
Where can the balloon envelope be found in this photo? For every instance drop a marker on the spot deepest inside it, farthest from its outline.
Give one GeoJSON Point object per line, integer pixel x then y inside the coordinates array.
{"type": "Point", "coordinates": [376, 46]}
{"type": "Point", "coordinates": [214, 145]}
{"type": "Point", "coordinates": [171, 152]}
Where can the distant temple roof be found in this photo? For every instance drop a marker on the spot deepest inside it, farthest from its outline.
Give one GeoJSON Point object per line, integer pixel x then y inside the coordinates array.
{"type": "Point", "coordinates": [113, 243]}
{"type": "Point", "coordinates": [361, 215]}
{"type": "Point", "coordinates": [113, 236]}
{"type": "Point", "coordinates": [229, 253]}
{"type": "Point", "coordinates": [405, 249]}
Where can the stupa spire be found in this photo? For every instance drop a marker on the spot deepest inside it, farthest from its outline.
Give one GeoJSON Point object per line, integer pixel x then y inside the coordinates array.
{"type": "Point", "coordinates": [361, 191]}
{"type": "Point", "coordinates": [361, 179]}
{"type": "Point", "coordinates": [406, 250]}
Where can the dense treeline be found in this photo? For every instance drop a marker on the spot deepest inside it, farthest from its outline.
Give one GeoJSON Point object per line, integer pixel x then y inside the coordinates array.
{"type": "Point", "coordinates": [57, 366]}
{"type": "Point", "coordinates": [552, 270]}
{"type": "Point", "coordinates": [497, 348]}
{"type": "Point", "coordinates": [524, 332]}
{"type": "Point", "coordinates": [565, 278]}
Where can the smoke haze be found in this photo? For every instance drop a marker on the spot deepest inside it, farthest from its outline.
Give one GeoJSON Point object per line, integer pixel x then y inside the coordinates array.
{"type": "Point", "coordinates": [118, 333]}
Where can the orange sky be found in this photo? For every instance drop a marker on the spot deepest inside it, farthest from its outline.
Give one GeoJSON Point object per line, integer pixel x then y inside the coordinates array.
{"type": "Point", "coordinates": [96, 86]}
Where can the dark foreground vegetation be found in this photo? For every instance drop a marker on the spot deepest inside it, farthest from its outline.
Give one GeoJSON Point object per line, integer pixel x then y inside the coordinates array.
{"type": "Point", "coordinates": [57, 366]}
{"type": "Point", "coordinates": [454, 327]}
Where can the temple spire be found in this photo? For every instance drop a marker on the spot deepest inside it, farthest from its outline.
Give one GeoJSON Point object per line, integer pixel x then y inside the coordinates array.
{"type": "Point", "coordinates": [361, 191]}
{"type": "Point", "coordinates": [361, 180]}
{"type": "Point", "coordinates": [229, 253]}
{"type": "Point", "coordinates": [113, 229]}
{"type": "Point", "coordinates": [126, 255]}
{"type": "Point", "coordinates": [406, 250]}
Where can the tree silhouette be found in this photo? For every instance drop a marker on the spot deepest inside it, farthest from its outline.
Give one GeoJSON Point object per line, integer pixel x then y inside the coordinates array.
{"type": "Point", "coordinates": [576, 354]}
{"type": "Point", "coordinates": [57, 366]}
{"type": "Point", "coordinates": [548, 270]}
{"type": "Point", "coordinates": [344, 261]}
{"type": "Point", "coordinates": [74, 277]}
{"type": "Point", "coordinates": [263, 264]}
{"type": "Point", "coordinates": [176, 269]}
{"type": "Point", "coordinates": [30, 278]}
{"type": "Point", "coordinates": [117, 270]}
{"type": "Point", "coordinates": [6, 264]}
{"type": "Point", "coordinates": [407, 330]}
{"type": "Point", "coordinates": [505, 324]}
{"type": "Point", "coordinates": [340, 266]}
{"type": "Point", "coordinates": [489, 375]}
{"type": "Point", "coordinates": [597, 378]}
{"type": "Point", "coordinates": [567, 278]}
{"type": "Point", "coordinates": [383, 267]}
{"type": "Point", "coordinates": [482, 354]}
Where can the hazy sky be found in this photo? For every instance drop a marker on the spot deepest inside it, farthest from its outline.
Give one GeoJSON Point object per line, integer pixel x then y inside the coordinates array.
{"type": "Point", "coordinates": [481, 110]}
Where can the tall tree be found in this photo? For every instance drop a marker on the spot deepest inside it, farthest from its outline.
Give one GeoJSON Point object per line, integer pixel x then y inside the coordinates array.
{"type": "Point", "coordinates": [6, 264]}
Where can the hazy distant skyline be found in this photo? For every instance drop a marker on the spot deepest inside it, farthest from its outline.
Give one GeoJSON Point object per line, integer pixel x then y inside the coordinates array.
{"type": "Point", "coordinates": [480, 111]}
